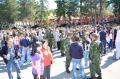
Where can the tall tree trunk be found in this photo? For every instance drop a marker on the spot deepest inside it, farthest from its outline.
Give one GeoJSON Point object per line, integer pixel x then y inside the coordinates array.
{"type": "Point", "coordinates": [101, 8]}
{"type": "Point", "coordinates": [69, 18]}
{"type": "Point", "coordinates": [58, 19]}
{"type": "Point", "coordinates": [81, 11]}
{"type": "Point", "coordinates": [95, 16]}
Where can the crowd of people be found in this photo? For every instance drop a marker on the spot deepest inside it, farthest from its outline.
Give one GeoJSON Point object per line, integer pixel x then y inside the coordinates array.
{"type": "Point", "coordinates": [78, 44]}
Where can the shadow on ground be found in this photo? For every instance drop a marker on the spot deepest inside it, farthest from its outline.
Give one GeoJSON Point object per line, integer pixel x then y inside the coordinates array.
{"type": "Point", "coordinates": [4, 69]}
{"type": "Point", "coordinates": [110, 60]}
{"type": "Point", "coordinates": [65, 75]}
{"type": "Point", "coordinates": [2, 66]}
{"type": "Point", "coordinates": [57, 54]}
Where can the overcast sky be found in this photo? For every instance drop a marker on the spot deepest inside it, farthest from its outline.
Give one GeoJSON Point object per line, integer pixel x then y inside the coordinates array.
{"type": "Point", "coordinates": [51, 4]}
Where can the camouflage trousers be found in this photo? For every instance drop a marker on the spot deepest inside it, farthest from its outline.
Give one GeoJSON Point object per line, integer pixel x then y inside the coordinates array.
{"type": "Point", "coordinates": [68, 59]}
{"type": "Point", "coordinates": [95, 70]}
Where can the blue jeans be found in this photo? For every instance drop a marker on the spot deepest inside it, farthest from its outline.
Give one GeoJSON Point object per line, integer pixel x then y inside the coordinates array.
{"type": "Point", "coordinates": [9, 68]}
{"type": "Point", "coordinates": [79, 62]}
{"type": "Point", "coordinates": [110, 45]}
{"type": "Point", "coordinates": [86, 57]}
{"type": "Point", "coordinates": [20, 50]}
{"type": "Point", "coordinates": [24, 53]}
{"type": "Point", "coordinates": [103, 46]}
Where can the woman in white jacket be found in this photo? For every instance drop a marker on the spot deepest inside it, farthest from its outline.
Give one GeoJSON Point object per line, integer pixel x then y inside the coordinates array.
{"type": "Point", "coordinates": [117, 43]}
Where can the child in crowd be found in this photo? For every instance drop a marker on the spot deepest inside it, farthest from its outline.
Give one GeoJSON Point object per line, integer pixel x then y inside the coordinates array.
{"type": "Point", "coordinates": [48, 59]}
{"type": "Point", "coordinates": [37, 63]}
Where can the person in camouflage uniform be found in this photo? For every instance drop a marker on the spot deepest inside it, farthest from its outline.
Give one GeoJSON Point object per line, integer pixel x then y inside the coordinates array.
{"type": "Point", "coordinates": [62, 43]}
{"type": "Point", "coordinates": [68, 57]}
{"type": "Point", "coordinates": [94, 57]}
{"type": "Point", "coordinates": [49, 37]}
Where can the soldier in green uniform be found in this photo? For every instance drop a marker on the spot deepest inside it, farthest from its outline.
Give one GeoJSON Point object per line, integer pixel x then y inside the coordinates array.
{"type": "Point", "coordinates": [68, 57]}
{"type": "Point", "coordinates": [62, 43]}
{"type": "Point", "coordinates": [49, 37]}
{"type": "Point", "coordinates": [94, 57]}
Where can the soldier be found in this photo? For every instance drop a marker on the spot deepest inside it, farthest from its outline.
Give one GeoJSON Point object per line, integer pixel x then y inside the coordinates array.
{"type": "Point", "coordinates": [68, 57]}
{"type": "Point", "coordinates": [49, 37]}
{"type": "Point", "coordinates": [62, 43]}
{"type": "Point", "coordinates": [94, 57]}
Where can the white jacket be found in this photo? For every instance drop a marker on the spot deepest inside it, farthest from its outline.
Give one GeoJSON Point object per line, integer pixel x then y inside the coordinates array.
{"type": "Point", "coordinates": [118, 36]}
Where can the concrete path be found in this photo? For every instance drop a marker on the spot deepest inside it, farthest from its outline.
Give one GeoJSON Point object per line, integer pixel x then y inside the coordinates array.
{"type": "Point", "coordinates": [110, 68]}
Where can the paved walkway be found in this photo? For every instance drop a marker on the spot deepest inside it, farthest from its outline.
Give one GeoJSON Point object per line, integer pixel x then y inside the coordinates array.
{"type": "Point", "coordinates": [110, 68]}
